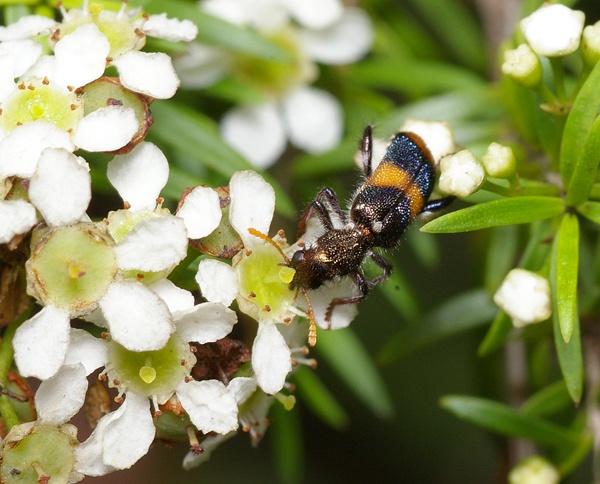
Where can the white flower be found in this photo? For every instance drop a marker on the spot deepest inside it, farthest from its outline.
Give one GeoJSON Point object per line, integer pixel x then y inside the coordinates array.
{"type": "Point", "coordinates": [311, 119]}
{"type": "Point", "coordinates": [461, 174]}
{"type": "Point", "coordinates": [553, 30]}
{"type": "Point", "coordinates": [590, 47]}
{"type": "Point", "coordinates": [525, 297]}
{"type": "Point", "coordinates": [259, 281]}
{"type": "Point", "coordinates": [123, 436]}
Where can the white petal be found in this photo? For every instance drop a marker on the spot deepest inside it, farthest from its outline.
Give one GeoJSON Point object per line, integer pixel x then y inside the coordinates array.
{"type": "Point", "coordinates": [271, 358]}
{"type": "Point", "coordinates": [121, 438]}
{"type": "Point", "coordinates": [437, 135]}
{"type": "Point", "coordinates": [257, 132]}
{"type": "Point", "coordinates": [217, 280]}
{"type": "Point", "coordinates": [128, 437]}
{"type": "Point", "coordinates": [347, 40]}
{"type": "Point", "coordinates": [315, 14]}
{"type": "Point", "coordinates": [138, 319]}
{"type": "Point", "coordinates": [314, 119]}
{"type": "Point", "coordinates": [7, 82]}
{"type": "Point", "coordinates": [24, 54]}
{"type": "Point", "coordinates": [242, 387]}
{"type": "Point", "coordinates": [178, 300]}
{"type": "Point", "coordinates": [156, 244]}
{"type": "Point", "coordinates": [86, 349]}
{"type": "Point", "coordinates": [172, 29]}
{"type": "Point", "coordinates": [206, 323]}
{"type": "Point", "coordinates": [210, 405]}
{"type": "Point", "coordinates": [151, 74]}
{"type": "Point", "coordinates": [80, 56]}
{"type": "Point", "coordinates": [26, 27]}
{"type": "Point", "coordinates": [252, 205]}
{"type": "Point", "coordinates": [201, 212]}
{"type": "Point", "coordinates": [59, 398]}
{"type": "Point", "coordinates": [22, 147]}
{"type": "Point", "coordinates": [140, 175]}
{"type": "Point", "coordinates": [321, 298]}
{"type": "Point", "coordinates": [203, 66]}
{"type": "Point", "coordinates": [41, 343]}
{"type": "Point", "coordinates": [106, 129]}
{"type": "Point", "coordinates": [61, 188]}
{"type": "Point", "coordinates": [16, 217]}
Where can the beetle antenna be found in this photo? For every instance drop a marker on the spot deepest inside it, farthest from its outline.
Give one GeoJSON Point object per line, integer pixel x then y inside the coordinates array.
{"type": "Point", "coordinates": [312, 329]}
{"type": "Point", "coordinates": [268, 239]}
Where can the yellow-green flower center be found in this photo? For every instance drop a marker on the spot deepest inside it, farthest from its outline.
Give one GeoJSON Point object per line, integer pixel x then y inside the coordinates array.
{"type": "Point", "coordinates": [149, 373]}
{"type": "Point", "coordinates": [275, 77]}
{"type": "Point", "coordinates": [264, 280]}
{"type": "Point", "coordinates": [39, 100]}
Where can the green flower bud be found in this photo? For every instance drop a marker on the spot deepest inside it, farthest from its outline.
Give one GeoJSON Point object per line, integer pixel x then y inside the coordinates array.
{"type": "Point", "coordinates": [523, 65]}
{"type": "Point", "coordinates": [590, 47]}
{"type": "Point", "coordinates": [534, 470]}
{"type": "Point", "coordinates": [499, 161]}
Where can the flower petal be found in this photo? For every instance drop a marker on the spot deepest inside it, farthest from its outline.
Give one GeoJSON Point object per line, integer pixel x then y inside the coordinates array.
{"type": "Point", "coordinates": [22, 147]}
{"type": "Point", "coordinates": [140, 175]}
{"type": "Point", "coordinates": [80, 56]}
{"type": "Point", "coordinates": [61, 187]}
{"type": "Point", "coordinates": [347, 40]}
{"type": "Point", "coordinates": [271, 358]}
{"type": "Point", "coordinates": [252, 205]}
{"type": "Point", "coordinates": [26, 27]}
{"type": "Point", "coordinates": [16, 217]}
{"type": "Point", "coordinates": [121, 438]}
{"type": "Point", "coordinates": [242, 387]}
{"type": "Point", "coordinates": [106, 129]}
{"type": "Point", "coordinates": [171, 29]}
{"type": "Point", "coordinates": [218, 281]}
{"type": "Point", "coordinates": [59, 398]}
{"type": "Point", "coordinates": [202, 66]}
{"type": "Point", "coordinates": [178, 300]}
{"type": "Point", "coordinates": [201, 212]}
{"type": "Point", "coordinates": [86, 349]}
{"type": "Point", "coordinates": [151, 74]}
{"type": "Point", "coordinates": [321, 298]}
{"type": "Point", "coordinates": [206, 323]}
{"type": "Point", "coordinates": [315, 14]}
{"type": "Point", "coordinates": [41, 343]}
{"type": "Point", "coordinates": [257, 132]}
{"type": "Point", "coordinates": [210, 405]}
{"type": "Point", "coordinates": [138, 319]}
{"type": "Point", "coordinates": [23, 54]}
{"type": "Point", "coordinates": [314, 119]}
{"type": "Point", "coordinates": [155, 244]}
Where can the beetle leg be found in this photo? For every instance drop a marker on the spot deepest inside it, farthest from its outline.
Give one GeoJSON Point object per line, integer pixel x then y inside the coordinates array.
{"type": "Point", "coordinates": [338, 301]}
{"type": "Point", "coordinates": [437, 204]}
{"type": "Point", "coordinates": [322, 211]}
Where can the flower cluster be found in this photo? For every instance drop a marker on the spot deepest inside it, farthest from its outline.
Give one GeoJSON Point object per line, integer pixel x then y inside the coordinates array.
{"type": "Point", "coordinates": [107, 305]}
{"type": "Point", "coordinates": [310, 32]}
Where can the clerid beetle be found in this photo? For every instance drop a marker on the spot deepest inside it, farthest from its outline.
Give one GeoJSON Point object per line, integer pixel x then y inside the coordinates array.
{"type": "Point", "coordinates": [391, 197]}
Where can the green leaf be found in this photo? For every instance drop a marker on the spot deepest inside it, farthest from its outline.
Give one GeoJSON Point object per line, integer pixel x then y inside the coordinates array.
{"type": "Point", "coordinates": [566, 265]}
{"type": "Point", "coordinates": [496, 335]}
{"type": "Point", "coordinates": [548, 401]}
{"type": "Point", "coordinates": [318, 398]}
{"type": "Point", "coordinates": [507, 421]}
{"type": "Point", "coordinates": [579, 124]}
{"type": "Point", "coordinates": [345, 353]}
{"type": "Point", "coordinates": [413, 76]}
{"type": "Point", "coordinates": [461, 313]}
{"type": "Point", "coordinates": [465, 43]}
{"type": "Point", "coordinates": [569, 354]}
{"type": "Point", "coordinates": [215, 31]}
{"type": "Point", "coordinates": [586, 168]}
{"type": "Point", "coordinates": [507, 211]}
{"type": "Point", "coordinates": [401, 295]}
{"type": "Point", "coordinates": [287, 444]}
{"type": "Point", "coordinates": [591, 211]}
{"type": "Point", "coordinates": [500, 255]}
{"type": "Point", "coordinates": [198, 136]}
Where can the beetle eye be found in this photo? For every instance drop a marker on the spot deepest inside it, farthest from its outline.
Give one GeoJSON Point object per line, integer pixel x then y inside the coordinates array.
{"type": "Point", "coordinates": [297, 258]}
